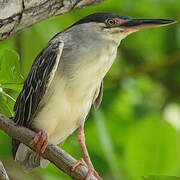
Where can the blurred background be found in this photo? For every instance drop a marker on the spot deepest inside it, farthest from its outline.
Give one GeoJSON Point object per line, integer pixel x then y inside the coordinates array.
{"type": "Point", "coordinates": [136, 131]}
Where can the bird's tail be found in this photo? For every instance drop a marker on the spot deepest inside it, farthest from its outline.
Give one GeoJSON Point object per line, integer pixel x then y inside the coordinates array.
{"type": "Point", "coordinates": [26, 158]}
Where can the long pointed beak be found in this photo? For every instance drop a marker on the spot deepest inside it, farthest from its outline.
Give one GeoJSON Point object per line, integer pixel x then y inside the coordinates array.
{"type": "Point", "coordinates": [138, 24]}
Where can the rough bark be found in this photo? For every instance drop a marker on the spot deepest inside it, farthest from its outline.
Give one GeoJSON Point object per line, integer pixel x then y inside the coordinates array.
{"type": "Point", "coordinates": [3, 174]}
{"type": "Point", "coordinates": [16, 15]}
{"type": "Point", "coordinates": [53, 153]}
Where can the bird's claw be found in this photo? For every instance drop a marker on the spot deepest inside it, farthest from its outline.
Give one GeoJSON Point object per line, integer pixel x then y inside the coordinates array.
{"type": "Point", "coordinates": [91, 170]}
{"type": "Point", "coordinates": [80, 162]}
{"type": "Point", "coordinates": [40, 142]}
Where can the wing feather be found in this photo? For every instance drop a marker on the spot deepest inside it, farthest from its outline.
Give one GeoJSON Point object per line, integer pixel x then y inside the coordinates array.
{"type": "Point", "coordinates": [98, 97]}
{"type": "Point", "coordinates": [36, 85]}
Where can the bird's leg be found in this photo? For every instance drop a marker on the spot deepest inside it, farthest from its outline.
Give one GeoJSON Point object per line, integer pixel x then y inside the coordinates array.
{"type": "Point", "coordinates": [87, 163]}
{"type": "Point", "coordinates": [40, 142]}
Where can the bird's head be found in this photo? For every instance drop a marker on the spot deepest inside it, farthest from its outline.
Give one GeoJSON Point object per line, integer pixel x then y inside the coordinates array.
{"type": "Point", "coordinates": [115, 27]}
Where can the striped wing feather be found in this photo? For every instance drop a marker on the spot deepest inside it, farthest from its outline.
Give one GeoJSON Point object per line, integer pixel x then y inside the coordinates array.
{"type": "Point", "coordinates": [35, 86]}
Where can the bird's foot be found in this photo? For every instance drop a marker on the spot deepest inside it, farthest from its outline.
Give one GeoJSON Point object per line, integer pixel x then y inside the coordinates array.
{"type": "Point", "coordinates": [91, 170]}
{"type": "Point", "coordinates": [40, 142]}
{"type": "Point", "coordinates": [80, 162]}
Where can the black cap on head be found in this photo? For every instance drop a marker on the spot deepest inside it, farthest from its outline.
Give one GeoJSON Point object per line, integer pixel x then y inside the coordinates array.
{"type": "Point", "coordinates": [98, 17]}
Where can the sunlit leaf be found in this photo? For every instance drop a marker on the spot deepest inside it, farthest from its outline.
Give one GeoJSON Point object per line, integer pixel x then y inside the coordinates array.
{"type": "Point", "coordinates": [16, 87]}
{"type": "Point", "coordinates": [4, 105]}
{"type": "Point", "coordinates": [9, 67]}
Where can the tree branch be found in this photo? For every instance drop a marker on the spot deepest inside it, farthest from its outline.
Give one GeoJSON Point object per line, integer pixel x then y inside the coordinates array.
{"type": "Point", "coordinates": [3, 174]}
{"type": "Point", "coordinates": [16, 15]}
{"type": "Point", "coordinates": [53, 153]}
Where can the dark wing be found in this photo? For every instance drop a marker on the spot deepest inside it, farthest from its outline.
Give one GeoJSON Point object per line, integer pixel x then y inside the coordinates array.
{"type": "Point", "coordinates": [35, 86]}
{"type": "Point", "coordinates": [98, 98]}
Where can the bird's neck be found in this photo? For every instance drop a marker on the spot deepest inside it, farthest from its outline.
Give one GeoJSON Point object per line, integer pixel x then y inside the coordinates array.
{"type": "Point", "coordinates": [86, 74]}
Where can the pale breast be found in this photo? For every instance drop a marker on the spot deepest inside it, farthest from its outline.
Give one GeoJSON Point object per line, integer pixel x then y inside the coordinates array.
{"type": "Point", "coordinates": [63, 113]}
{"type": "Point", "coordinates": [71, 98]}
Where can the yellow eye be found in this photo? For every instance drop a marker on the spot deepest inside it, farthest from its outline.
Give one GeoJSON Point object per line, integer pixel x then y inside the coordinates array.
{"type": "Point", "coordinates": [111, 22]}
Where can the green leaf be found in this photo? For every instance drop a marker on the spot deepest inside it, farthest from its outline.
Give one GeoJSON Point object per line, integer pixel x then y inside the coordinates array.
{"type": "Point", "coordinates": [5, 107]}
{"type": "Point", "coordinates": [15, 87]}
{"type": "Point", "coordinates": [160, 177]}
{"type": "Point", "coordinates": [9, 67]}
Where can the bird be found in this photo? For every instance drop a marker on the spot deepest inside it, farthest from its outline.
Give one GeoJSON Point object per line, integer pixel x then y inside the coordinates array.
{"type": "Point", "coordinates": [66, 80]}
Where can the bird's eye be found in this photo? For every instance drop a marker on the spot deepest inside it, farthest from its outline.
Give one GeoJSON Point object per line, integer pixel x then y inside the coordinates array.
{"type": "Point", "coordinates": [111, 22]}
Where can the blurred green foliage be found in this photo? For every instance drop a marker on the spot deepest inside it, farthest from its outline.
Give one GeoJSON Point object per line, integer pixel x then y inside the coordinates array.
{"type": "Point", "coordinates": [136, 131]}
{"type": "Point", "coordinates": [156, 177]}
